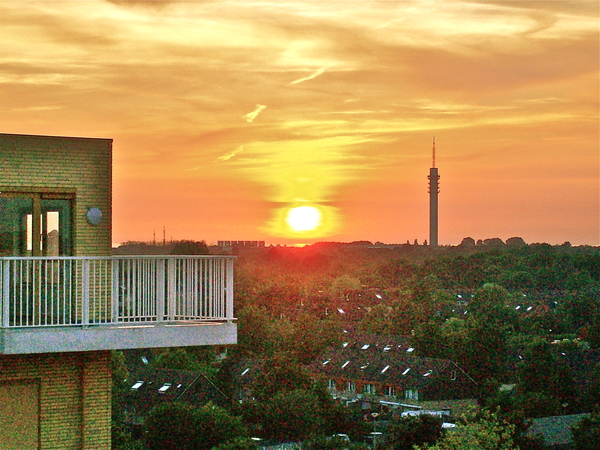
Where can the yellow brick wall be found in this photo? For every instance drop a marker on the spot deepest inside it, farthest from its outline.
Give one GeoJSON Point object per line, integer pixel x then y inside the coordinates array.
{"type": "Point", "coordinates": [74, 396]}
{"type": "Point", "coordinates": [75, 407]}
{"type": "Point", "coordinates": [82, 165]}
{"type": "Point", "coordinates": [96, 388]}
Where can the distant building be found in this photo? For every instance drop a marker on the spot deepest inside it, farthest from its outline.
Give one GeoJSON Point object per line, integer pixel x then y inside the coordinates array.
{"type": "Point", "coordinates": [245, 244]}
{"type": "Point", "coordinates": [236, 245]}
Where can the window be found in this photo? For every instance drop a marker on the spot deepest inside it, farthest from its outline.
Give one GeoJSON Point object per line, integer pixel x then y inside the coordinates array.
{"type": "Point", "coordinates": [331, 384]}
{"type": "Point", "coordinates": [35, 224]}
{"type": "Point", "coordinates": [350, 386]}
{"type": "Point", "coordinates": [369, 389]}
{"type": "Point", "coordinates": [412, 394]}
{"type": "Point", "coordinates": [389, 391]}
{"type": "Point", "coordinates": [165, 387]}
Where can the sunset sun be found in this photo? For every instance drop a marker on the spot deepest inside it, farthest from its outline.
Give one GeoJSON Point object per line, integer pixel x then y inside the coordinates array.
{"type": "Point", "coordinates": [304, 218]}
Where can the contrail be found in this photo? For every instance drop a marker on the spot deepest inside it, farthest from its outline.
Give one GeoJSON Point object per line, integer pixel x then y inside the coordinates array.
{"type": "Point", "coordinates": [310, 77]}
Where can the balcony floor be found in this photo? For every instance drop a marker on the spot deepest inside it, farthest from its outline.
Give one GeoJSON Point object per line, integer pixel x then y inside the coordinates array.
{"type": "Point", "coordinates": [58, 339]}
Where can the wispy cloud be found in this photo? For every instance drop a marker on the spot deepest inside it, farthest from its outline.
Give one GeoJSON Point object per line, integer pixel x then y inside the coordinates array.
{"type": "Point", "coordinates": [228, 156]}
{"type": "Point", "coordinates": [251, 116]}
{"type": "Point", "coordinates": [321, 71]}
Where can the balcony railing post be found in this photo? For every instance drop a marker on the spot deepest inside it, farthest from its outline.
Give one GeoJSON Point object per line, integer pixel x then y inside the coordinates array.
{"type": "Point", "coordinates": [85, 292]}
{"type": "Point", "coordinates": [171, 288]}
{"type": "Point", "coordinates": [160, 290]}
{"type": "Point", "coordinates": [116, 283]}
{"type": "Point", "coordinates": [5, 293]}
{"type": "Point", "coordinates": [229, 290]}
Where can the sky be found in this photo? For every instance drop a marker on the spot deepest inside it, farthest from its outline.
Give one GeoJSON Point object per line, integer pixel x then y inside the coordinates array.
{"type": "Point", "coordinates": [305, 121]}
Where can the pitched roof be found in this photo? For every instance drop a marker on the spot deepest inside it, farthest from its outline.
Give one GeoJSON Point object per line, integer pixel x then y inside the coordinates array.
{"type": "Point", "coordinates": [166, 385]}
{"type": "Point", "coordinates": [389, 363]}
{"type": "Point", "coordinates": [556, 430]}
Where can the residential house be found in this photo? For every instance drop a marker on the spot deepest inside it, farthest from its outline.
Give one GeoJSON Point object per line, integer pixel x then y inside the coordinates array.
{"type": "Point", "coordinates": [66, 302]}
{"type": "Point", "coordinates": [384, 370]}
{"type": "Point", "coordinates": [157, 386]}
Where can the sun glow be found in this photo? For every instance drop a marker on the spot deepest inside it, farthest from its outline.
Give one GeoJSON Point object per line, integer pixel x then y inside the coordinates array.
{"type": "Point", "coordinates": [303, 218]}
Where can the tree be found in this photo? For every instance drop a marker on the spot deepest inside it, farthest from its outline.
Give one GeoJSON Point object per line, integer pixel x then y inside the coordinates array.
{"type": "Point", "coordinates": [179, 426]}
{"type": "Point", "coordinates": [544, 381]}
{"type": "Point", "coordinates": [121, 438]}
{"type": "Point", "coordinates": [395, 273]}
{"type": "Point", "coordinates": [430, 341]}
{"type": "Point", "coordinates": [484, 351]}
{"type": "Point", "coordinates": [468, 242]}
{"type": "Point", "coordinates": [545, 384]}
{"type": "Point", "coordinates": [489, 304]}
{"type": "Point", "coordinates": [343, 285]}
{"type": "Point", "coordinates": [580, 309]}
{"type": "Point", "coordinates": [187, 247]}
{"type": "Point", "coordinates": [515, 242]}
{"type": "Point", "coordinates": [241, 443]}
{"type": "Point", "coordinates": [257, 335]}
{"type": "Point", "coordinates": [185, 358]}
{"type": "Point", "coordinates": [586, 433]}
{"type": "Point", "coordinates": [482, 431]}
{"type": "Point", "coordinates": [335, 442]}
{"type": "Point", "coordinates": [403, 433]}
{"type": "Point", "coordinates": [592, 395]}
{"type": "Point", "coordinates": [310, 336]}
{"type": "Point", "coordinates": [292, 415]}
{"type": "Point", "coordinates": [281, 373]}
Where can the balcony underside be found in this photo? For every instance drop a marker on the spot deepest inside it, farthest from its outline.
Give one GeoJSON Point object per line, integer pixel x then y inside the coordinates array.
{"type": "Point", "coordinates": [14, 341]}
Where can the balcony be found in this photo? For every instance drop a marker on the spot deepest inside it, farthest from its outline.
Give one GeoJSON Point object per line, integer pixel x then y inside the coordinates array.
{"type": "Point", "coordinates": [64, 304]}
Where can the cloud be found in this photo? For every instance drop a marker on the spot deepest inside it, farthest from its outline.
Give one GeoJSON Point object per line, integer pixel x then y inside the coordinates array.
{"type": "Point", "coordinates": [230, 155]}
{"type": "Point", "coordinates": [251, 116]}
{"type": "Point", "coordinates": [310, 77]}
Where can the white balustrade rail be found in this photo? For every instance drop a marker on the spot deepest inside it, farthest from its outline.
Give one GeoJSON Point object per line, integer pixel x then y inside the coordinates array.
{"type": "Point", "coordinates": [80, 291]}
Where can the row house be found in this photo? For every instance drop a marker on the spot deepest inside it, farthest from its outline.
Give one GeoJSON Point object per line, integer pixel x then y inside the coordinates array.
{"type": "Point", "coordinates": [66, 302]}
{"type": "Point", "coordinates": [391, 374]}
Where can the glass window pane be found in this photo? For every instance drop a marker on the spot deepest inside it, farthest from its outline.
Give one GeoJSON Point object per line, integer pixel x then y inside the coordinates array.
{"type": "Point", "coordinates": [13, 225]}
{"type": "Point", "coordinates": [57, 228]}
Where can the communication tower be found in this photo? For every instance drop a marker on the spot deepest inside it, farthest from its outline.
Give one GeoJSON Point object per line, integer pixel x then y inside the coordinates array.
{"type": "Point", "coordinates": [434, 190]}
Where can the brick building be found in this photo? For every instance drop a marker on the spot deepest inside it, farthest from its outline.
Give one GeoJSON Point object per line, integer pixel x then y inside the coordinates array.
{"type": "Point", "coordinates": [66, 302]}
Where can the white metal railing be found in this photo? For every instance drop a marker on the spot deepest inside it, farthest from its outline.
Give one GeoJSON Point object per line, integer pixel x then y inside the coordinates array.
{"type": "Point", "coordinates": [79, 291]}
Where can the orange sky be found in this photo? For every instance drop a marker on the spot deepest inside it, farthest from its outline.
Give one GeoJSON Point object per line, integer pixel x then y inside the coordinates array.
{"type": "Point", "coordinates": [225, 115]}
